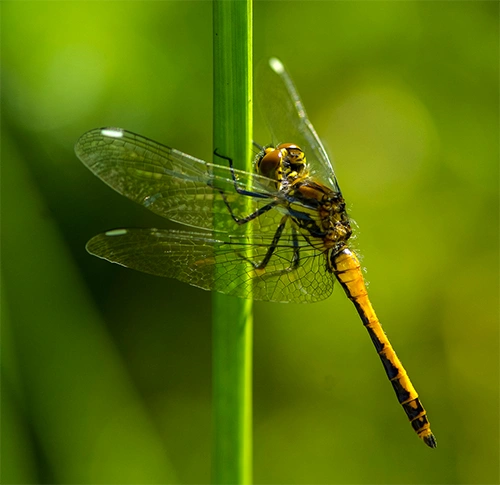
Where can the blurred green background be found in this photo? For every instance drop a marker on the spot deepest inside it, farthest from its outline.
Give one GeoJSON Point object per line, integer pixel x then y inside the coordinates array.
{"type": "Point", "coordinates": [106, 372]}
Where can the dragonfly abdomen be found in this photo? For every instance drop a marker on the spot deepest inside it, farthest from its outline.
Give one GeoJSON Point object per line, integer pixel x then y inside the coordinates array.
{"type": "Point", "coordinates": [346, 267]}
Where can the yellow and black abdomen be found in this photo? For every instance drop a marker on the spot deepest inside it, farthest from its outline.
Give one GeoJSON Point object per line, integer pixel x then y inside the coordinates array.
{"type": "Point", "coordinates": [345, 265]}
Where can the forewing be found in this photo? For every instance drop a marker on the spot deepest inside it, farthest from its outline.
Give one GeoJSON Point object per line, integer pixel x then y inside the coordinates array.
{"type": "Point", "coordinates": [223, 263]}
{"type": "Point", "coordinates": [287, 119]}
{"type": "Point", "coordinates": [173, 184]}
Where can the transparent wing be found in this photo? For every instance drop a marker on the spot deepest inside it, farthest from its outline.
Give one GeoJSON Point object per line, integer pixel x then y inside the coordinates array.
{"type": "Point", "coordinates": [287, 119]}
{"type": "Point", "coordinates": [175, 185]}
{"type": "Point", "coordinates": [224, 263]}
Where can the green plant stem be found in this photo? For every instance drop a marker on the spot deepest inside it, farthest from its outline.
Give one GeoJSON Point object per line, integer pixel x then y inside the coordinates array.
{"type": "Point", "coordinates": [232, 318]}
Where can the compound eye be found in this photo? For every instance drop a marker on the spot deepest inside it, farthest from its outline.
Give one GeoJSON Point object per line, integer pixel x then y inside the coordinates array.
{"type": "Point", "coordinates": [270, 164]}
{"type": "Point", "coordinates": [289, 146]}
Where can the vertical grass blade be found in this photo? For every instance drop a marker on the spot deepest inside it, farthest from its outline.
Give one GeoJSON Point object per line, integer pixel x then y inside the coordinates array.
{"type": "Point", "coordinates": [232, 318]}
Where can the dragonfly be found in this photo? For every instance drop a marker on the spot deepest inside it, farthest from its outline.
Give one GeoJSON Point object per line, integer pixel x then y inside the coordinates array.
{"type": "Point", "coordinates": [279, 233]}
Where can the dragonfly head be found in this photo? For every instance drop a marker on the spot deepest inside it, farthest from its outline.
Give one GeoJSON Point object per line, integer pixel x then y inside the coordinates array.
{"type": "Point", "coordinates": [286, 162]}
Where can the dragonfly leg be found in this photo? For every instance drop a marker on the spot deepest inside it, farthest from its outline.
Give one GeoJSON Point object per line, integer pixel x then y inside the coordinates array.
{"type": "Point", "coordinates": [272, 246]}
{"type": "Point", "coordinates": [235, 180]}
{"type": "Point", "coordinates": [242, 220]}
{"type": "Point", "coordinates": [296, 251]}
{"type": "Point", "coordinates": [256, 145]}
{"type": "Point", "coordinates": [295, 262]}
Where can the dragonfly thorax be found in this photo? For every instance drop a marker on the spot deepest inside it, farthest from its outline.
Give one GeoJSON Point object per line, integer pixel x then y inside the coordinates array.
{"type": "Point", "coordinates": [320, 213]}
{"type": "Point", "coordinates": [284, 164]}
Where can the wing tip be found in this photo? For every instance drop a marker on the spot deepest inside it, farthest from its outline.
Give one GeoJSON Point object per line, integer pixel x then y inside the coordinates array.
{"type": "Point", "coordinates": [107, 131]}
{"type": "Point", "coordinates": [276, 65]}
{"type": "Point", "coordinates": [112, 132]}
